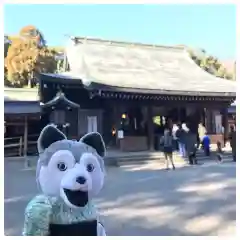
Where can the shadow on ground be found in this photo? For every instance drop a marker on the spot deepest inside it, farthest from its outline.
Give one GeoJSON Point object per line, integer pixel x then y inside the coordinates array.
{"type": "Point", "coordinates": [145, 201]}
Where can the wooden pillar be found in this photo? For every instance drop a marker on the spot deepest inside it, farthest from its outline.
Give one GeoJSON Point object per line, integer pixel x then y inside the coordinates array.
{"type": "Point", "coordinates": [150, 128]}
{"type": "Point", "coordinates": [208, 120]}
{"type": "Point", "coordinates": [179, 114]}
{"type": "Point", "coordinates": [117, 122]}
{"type": "Point", "coordinates": [25, 137]}
{"type": "Point", "coordinates": [201, 118]}
{"type": "Point", "coordinates": [25, 142]}
{"type": "Point", "coordinates": [225, 124]}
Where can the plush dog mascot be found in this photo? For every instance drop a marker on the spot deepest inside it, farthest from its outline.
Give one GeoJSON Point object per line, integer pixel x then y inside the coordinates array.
{"type": "Point", "coordinates": [69, 173]}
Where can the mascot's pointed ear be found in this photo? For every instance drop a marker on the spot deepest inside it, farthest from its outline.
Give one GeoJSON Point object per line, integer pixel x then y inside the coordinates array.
{"type": "Point", "coordinates": [95, 140]}
{"type": "Point", "coordinates": [49, 135]}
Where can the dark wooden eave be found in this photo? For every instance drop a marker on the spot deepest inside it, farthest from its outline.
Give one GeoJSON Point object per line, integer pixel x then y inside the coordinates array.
{"type": "Point", "coordinates": [162, 92]}
{"type": "Point", "coordinates": [21, 107]}
{"type": "Point", "coordinates": [122, 91]}
{"type": "Point", "coordinates": [158, 97]}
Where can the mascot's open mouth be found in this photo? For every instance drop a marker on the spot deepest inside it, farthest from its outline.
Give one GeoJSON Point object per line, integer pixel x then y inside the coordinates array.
{"type": "Point", "coordinates": [76, 197]}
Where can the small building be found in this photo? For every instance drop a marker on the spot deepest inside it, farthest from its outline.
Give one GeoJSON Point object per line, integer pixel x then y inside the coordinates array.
{"type": "Point", "coordinates": [130, 92]}
{"type": "Point", "coordinates": [22, 115]}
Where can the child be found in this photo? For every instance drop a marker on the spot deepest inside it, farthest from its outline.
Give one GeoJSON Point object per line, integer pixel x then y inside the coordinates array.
{"type": "Point", "coordinates": [192, 156]}
{"type": "Point", "coordinates": [167, 141]}
{"type": "Point", "coordinates": [219, 151]}
{"type": "Point", "coordinates": [206, 144]}
{"type": "Point", "coordinates": [191, 147]}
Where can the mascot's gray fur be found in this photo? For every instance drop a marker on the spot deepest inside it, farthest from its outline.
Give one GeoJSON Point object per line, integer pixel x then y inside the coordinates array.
{"type": "Point", "coordinates": [69, 173]}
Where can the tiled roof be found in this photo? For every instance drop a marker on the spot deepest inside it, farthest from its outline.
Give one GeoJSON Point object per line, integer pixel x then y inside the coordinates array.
{"type": "Point", "coordinates": [21, 107]}
{"type": "Point", "coordinates": [20, 94]}
{"type": "Point", "coordinates": [141, 66]}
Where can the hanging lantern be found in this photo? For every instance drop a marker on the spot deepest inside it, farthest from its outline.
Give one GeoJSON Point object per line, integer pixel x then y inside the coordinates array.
{"type": "Point", "coordinates": [113, 132]}
{"type": "Point", "coordinates": [124, 116]}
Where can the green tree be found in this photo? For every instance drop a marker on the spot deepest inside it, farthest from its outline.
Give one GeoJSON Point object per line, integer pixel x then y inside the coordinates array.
{"type": "Point", "coordinates": [211, 65]}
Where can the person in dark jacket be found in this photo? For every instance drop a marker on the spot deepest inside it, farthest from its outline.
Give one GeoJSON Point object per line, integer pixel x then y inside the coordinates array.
{"type": "Point", "coordinates": [232, 139]}
{"type": "Point", "coordinates": [181, 138]}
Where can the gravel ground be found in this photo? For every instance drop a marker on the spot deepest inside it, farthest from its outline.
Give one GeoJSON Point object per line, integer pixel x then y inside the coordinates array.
{"type": "Point", "coordinates": [145, 200]}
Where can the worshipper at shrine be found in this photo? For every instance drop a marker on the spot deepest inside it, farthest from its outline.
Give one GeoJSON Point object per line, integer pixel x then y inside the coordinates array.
{"type": "Point", "coordinates": [219, 151]}
{"type": "Point", "coordinates": [232, 139]}
{"type": "Point", "coordinates": [201, 133]}
{"type": "Point", "coordinates": [181, 138]}
{"type": "Point", "coordinates": [174, 130]}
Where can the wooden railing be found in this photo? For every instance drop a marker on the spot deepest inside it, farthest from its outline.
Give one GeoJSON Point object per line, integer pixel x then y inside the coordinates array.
{"type": "Point", "coordinates": [13, 146]}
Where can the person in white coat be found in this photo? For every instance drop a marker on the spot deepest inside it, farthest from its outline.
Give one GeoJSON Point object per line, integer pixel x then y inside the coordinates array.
{"type": "Point", "coordinates": [174, 130]}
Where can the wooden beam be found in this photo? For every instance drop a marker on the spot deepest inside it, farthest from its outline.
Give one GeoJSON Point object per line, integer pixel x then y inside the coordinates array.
{"type": "Point", "coordinates": [25, 146]}
{"type": "Point", "coordinates": [150, 127]}
{"type": "Point", "coordinates": [117, 123]}
{"type": "Point", "coordinates": [225, 124]}
{"type": "Point", "coordinates": [14, 124]}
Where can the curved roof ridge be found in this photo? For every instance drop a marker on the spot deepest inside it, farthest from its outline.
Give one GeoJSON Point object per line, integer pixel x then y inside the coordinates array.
{"type": "Point", "coordinates": [127, 43]}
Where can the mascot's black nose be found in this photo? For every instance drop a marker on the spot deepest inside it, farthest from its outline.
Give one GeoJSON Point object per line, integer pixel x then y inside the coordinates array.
{"type": "Point", "coordinates": [81, 180]}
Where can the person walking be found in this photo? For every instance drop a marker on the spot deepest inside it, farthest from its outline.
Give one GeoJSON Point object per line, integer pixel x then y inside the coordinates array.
{"type": "Point", "coordinates": [232, 139]}
{"type": "Point", "coordinates": [201, 133]}
{"type": "Point", "coordinates": [219, 151]}
{"type": "Point", "coordinates": [167, 141]}
{"type": "Point", "coordinates": [181, 138]}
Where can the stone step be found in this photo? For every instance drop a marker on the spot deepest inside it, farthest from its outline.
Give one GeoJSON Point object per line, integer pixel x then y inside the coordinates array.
{"type": "Point", "coordinates": [162, 161]}
{"type": "Point", "coordinates": [146, 158]}
{"type": "Point", "coordinates": [213, 153]}
{"type": "Point", "coordinates": [137, 158]}
{"type": "Point", "coordinates": [119, 160]}
{"type": "Point", "coordinates": [157, 155]}
{"type": "Point", "coordinates": [137, 163]}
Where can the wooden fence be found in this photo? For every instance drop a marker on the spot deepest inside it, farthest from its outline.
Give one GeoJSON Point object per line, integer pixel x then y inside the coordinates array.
{"type": "Point", "coordinates": [14, 146]}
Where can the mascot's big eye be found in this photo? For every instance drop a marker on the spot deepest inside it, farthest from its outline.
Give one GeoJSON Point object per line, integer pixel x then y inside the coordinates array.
{"type": "Point", "coordinates": [90, 167]}
{"type": "Point", "coordinates": [62, 166]}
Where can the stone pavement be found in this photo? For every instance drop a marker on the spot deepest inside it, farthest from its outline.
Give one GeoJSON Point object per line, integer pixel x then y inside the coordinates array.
{"type": "Point", "coordinates": [145, 200]}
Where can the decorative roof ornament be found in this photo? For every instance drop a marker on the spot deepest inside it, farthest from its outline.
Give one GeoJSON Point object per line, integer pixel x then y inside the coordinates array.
{"type": "Point", "coordinates": [60, 101]}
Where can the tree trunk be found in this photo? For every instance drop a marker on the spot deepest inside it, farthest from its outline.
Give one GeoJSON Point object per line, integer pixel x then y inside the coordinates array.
{"type": "Point", "coordinates": [30, 80]}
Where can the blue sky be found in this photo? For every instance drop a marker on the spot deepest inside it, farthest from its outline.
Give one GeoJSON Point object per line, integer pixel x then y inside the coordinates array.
{"type": "Point", "coordinates": [212, 27]}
